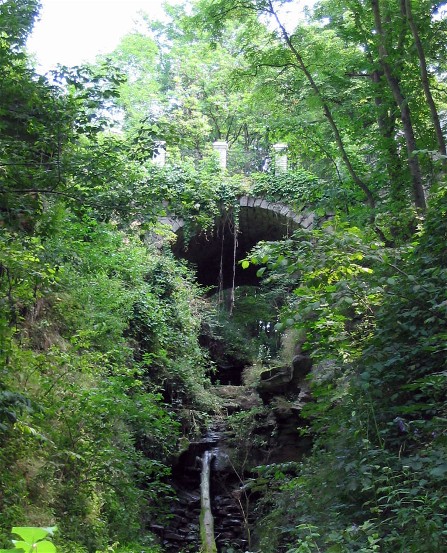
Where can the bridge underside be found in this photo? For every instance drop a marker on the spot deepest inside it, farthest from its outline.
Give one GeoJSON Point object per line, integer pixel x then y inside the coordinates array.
{"type": "Point", "coordinates": [210, 251]}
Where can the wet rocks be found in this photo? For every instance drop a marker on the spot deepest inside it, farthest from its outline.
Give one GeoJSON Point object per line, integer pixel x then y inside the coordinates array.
{"type": "Point", "coordinates": [284, 380]}
{"type": "Point", "coordinates": [229, 521]}
{"type": "Point", "coordinates": [182, 529]}
{"type": "Point", "coordinates": [276, 406]}
{"type": "Point", "coordinates": [181, 532]}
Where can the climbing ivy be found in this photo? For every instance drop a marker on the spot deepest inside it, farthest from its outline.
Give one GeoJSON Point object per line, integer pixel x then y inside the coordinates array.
{"type": "Point", "coordinates": [296, 187]}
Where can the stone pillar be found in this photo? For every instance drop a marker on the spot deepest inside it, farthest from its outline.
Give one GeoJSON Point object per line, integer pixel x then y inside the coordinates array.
{"type": "Point", "coordinates": [159, 155]}
{"type": "Point", "coordinates": [221, 147]}
{"type": "Point", "coordinates": [280, 157]}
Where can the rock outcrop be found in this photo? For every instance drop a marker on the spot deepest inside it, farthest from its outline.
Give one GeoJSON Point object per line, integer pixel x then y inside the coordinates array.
{"type": "Point", "coordinates": [285, 390]}
{"type": "Point", "coordinates": [288, 380]}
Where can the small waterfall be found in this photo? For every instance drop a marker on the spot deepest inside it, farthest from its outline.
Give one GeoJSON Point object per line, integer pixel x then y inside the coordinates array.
{"type": "Point", "coordinates": [206, 515]}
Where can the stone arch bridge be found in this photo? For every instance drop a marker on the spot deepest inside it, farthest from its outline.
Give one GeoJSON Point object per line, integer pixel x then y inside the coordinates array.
{"type": "Point", "coordinates": [215, 254]}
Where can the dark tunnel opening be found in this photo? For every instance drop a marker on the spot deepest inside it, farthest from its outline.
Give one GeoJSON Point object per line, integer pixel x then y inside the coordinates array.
{"type": "Point", "coordinates": [212, 252]}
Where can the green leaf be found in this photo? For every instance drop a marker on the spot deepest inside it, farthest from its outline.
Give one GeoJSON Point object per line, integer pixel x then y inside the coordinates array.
{"type": "Point", "coordinates": [245, 264]}
{"type": "Point", "coordinates": [30, 534]}
{"type": "Point", "coordinates": [33, 539]}
{"type": "Point", "coordinates": [440, 470]}
{"type": "Point", "coordinates": [23, 546]}
{"type": "Point", "coordinates": [260, 271]}
{"type": "Point", "coordinates": [45, 547]}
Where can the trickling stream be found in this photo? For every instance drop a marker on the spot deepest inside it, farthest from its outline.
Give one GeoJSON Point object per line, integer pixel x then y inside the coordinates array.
{"type": "Point", "coordinates": [209, 492]}
{"type": "Point", "coordinates": [207, 537]}
{"type": "Point", "coordinates": [205, 482]}
{"type": "Point", "coordinates": [214, 507]}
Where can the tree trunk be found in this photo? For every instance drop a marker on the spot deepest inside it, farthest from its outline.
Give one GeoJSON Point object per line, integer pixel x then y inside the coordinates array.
{"type": "Point", "coordinates": [386, 118]}
{"type": "Point", "coordinates": [407, 9]}
{"type": "Point", "coordinates": [405, 113]}
{"type": "Point", "coordinates": [386, 124]}
{"type": "Point", "coordinates": [206, 516]}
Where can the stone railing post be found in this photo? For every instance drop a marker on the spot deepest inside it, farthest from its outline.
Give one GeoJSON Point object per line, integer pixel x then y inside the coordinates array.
{"type": "Point", "coordinates": [221, 147]}
{"type": "Point", "coordinates": [159, 155]}
{"type": "Point", "coordinates": [280, 150]}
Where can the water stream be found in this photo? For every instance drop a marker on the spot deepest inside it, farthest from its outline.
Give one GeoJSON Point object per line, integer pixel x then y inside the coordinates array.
{"type": "Point", "coordinates": [207, 537]}
{"type": "Point", "coordinates": [205, 482]}
{"type": "Point", "coordinates": [213, 509]}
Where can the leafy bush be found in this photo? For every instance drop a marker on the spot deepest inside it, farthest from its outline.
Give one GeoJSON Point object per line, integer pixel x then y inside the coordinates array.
{"type": "Point", "coordinates": [104, 333]}
{"type": "Point", "coordinates": [377, 477]}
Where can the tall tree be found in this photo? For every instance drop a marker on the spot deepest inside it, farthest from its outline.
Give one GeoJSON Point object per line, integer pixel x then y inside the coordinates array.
{"type": "Point", "coordinates": [187, 90]}
{"type": "Point", "coordinates": [402, 101]}
{"type": "Point", "coordinates": [385, 93]}
{"type": "Point", "coordinates": [407, 10]}
{"type": "Point", "coordinates": [375, 105]}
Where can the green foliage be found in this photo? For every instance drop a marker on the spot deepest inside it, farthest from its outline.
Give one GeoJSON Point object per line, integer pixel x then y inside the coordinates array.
{"type": "Point", "coordinates": [86, 429]}
{"type": "Point", "coordinates": [189, 191]}
{"type": "Point", "coordinates": [183, 87]}
{"type": "Point", "coordinates": [33, 540]}
{"type": "Point", "coordinates": [87, 432]}
{"type": "Point", "coordinates": [239, 337]}
{"type": "Point", "coordinates": [42, 123]}
{"type": "Point", "coordinates": [336, 290]}
{"type": "Point", "coordinates": [101, 369]}
{"type": "Point", "coordinates": [36, 540]}
{"type": "Point", "coordinates": [376, 478]}
{"type": "Point", "coordinates": [294, 188]}
{"type": "Point", "coordinates": [246, 438]}
{"type": "Point", "coordinates": [18, 18]}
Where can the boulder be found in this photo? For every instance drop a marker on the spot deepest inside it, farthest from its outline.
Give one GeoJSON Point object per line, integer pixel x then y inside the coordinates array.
{"type": "Point", "coordinates": [285, 379]}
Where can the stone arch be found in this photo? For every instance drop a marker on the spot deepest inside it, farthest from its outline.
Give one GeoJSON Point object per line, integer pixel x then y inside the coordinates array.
{"type": "Point", "coordinates": [303, 219]}
{"type": "Point", "coordinates": [259, 220]}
